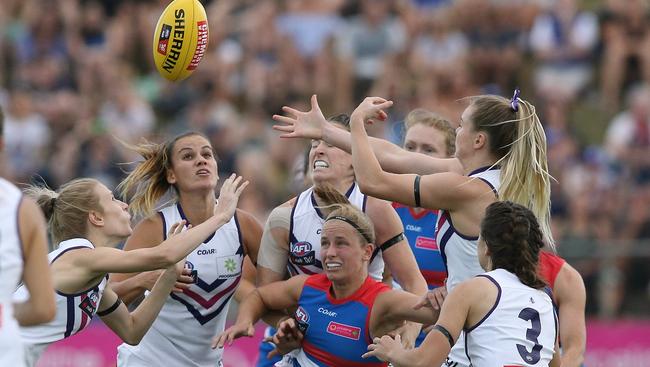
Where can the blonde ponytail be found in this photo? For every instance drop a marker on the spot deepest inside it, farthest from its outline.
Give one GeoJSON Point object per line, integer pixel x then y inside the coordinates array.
{"type": "Point", "coordinates": [518, 140]}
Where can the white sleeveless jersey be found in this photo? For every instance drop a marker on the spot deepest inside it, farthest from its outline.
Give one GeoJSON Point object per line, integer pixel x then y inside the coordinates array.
{"type": "Point", "coordinates": [11, 269]}
{"type": "Point", "coordinates": [182, 332]}
{"type": "Point", "coordinates": [519, 330]}
{"type": "Point", "coordinates": [305, 232]}
{"type": "Point", "coordinates": [459, 253]}
{"type": "Point", "coordinates": [73, 311]}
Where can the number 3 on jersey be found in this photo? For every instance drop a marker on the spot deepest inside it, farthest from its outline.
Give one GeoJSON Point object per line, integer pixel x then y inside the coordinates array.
{"type": "Point", "coordinates": [532, 315]}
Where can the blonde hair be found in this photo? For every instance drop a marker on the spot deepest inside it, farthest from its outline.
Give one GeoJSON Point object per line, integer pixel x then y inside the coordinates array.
{"type": "Point", "coordinates": [521, 153]}
{"type": "Point", "coordinates": [148, 181]}
{"type": "Point", "coordinates": [67, 209]}
{"type": "Point", "coordinates": [420, 116]}
{"type": "Point", "coordinates": [336, 204]}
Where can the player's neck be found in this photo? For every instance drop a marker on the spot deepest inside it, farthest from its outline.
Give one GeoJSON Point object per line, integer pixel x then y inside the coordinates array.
{"type": "Point", "coordinates": [344, 289]}
{"type": "Point", "coordinates": [478, 161]}
{"type": "Point", "coordinates": [197, 207]}
{"type": "Point", "coordinates": [341, 186]}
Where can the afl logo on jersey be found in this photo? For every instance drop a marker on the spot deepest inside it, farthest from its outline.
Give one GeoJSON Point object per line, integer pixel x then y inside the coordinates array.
{"type": "Point", "coordinates": [302, 253]}
{"type": "Point", "coordinates": [302, 318]}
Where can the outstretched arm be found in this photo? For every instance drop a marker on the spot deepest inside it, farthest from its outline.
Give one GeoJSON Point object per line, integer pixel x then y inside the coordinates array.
{"type": "Point", "coordinates": [436, 346]}
{"type": "Point", "coordinates": [447, 190]}
{"type": "Point", "coordinates": [275, 296]}
{"type": "Point", "coordinates": [172, 250]}
{"type": "Point", "coordinates": [313, 125]}
{"type": "Point", "coordinates": [131, 327]}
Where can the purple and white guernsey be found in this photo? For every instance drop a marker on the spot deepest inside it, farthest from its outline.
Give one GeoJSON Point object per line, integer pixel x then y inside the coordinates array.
{"type": "Point", "coordinates": [182, 332]}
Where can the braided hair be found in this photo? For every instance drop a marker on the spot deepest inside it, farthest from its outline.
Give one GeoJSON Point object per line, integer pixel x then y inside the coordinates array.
{"type": "Point", "coordinates": [514, 239]}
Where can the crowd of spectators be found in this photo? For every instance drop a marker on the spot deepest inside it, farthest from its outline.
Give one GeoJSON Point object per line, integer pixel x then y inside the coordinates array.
{"type": "Point", "coordinates": [76, 78]}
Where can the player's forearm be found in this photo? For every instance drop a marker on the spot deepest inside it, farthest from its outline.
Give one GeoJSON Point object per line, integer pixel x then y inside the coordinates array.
{"type": "Point", "coordinates": [132, 288]}
{"type": "Point", "coordinates": [384, 150]}
{"type": "Point", "coordinates": [572, 357]}
{"type": "Point", "coordinates": [252, 309]}
{"type": "Point", "coordinates": [145, 314]}
{"type": "Point", "coordinates": [410, 358]}
{"type": "Point", "coordinates": [31, 313]}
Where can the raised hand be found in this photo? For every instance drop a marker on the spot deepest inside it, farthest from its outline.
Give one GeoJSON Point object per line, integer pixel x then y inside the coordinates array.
{"type": "Point", "coordinates": [287, 338]}
{"type": "Point", "coordinates": [433, 299]}
{"type": "Point", "coordinates": [232, 333]}
{"type": "Point", "coordinates": [229, 195]}
{"type": "Point", "coordinates": [383, 348]}
{"type": "Point", "coordinates": [298, 124]}
{"type": "Point", "coordinates": [371, 109]}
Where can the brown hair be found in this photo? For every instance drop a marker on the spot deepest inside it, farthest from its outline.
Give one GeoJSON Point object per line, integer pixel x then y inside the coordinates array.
{"type": "Point", "coordinates": [342, 119]}
{"type": "Point", "coordinates": [148, 181]}
{"type": "Point", "coordinates": [431, 119]}
{"type": "Point", "coordinates": [337, 204]}
{"type": "Point", "coordinates": [66, 210]}
{"type": "Point", "coordinates": [518, 141]}
{"type": "Point", "coordinates": [514, 238]}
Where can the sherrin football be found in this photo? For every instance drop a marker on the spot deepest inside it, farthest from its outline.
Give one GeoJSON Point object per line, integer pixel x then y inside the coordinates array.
{"type": "Point", "coordinates": [180, 39]}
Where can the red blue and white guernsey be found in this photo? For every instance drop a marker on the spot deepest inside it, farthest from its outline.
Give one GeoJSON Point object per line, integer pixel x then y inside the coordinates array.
{"type": "Point", "coordinates": [182, 332]}
{"type": "Point", "coordinates": [73, 311]}
{"type": "Point", "coordinates": [420, 230]}
{"type": "Point", "coordinates": [305, 231]}
{"type": "Point", "coordinates": [336, 330]}
{"type": "Point", "coordinates": [459, 252]}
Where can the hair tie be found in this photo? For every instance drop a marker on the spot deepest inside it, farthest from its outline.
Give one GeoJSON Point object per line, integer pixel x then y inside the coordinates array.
{"type": "Point", "coordinates": [514, 102]}
{"type": "Point", "coordinates": [53, 201]}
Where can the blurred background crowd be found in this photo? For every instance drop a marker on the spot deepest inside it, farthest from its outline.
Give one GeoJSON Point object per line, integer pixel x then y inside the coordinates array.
{"type": "Point", "coordinates": [76, 77]}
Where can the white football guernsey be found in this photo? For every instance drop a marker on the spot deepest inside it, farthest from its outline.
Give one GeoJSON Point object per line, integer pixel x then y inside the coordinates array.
{"type": "Point", "coordinates": [11, 269]}
{"type": "Point", "coordinates": [305, 232]}
{"type": "Point", "coordinates": [182, 332]}
{"type": "Point", "coordinates": [73, 311]}
{"type": "Point", "coordinates": [459, 253]}
{"type": "Point", "coordinates": [520, 329]}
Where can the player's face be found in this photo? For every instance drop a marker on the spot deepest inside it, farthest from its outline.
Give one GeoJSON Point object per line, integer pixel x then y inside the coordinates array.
{"type": "Point", "coordinates": [114, 214]}
{"type": "Point", "coordinates": [427, 140]}
{"type": "Point", "coordinates": [329, 164]}
{"type": "Point", "coordinates": [343, 255]}
{"type": "Point", "coordinates": [194, 166]}
{"type": "Point", "coordinates": [465, 134]}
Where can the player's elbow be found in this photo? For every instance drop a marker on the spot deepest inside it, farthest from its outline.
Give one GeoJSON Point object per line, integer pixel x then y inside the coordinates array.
{"type": "Point", "coordinates": [165, 258]}
{"type": "Point", "coordinates": [132, 338]}
{"type": "Point", "coordinates": [368, 186]}
{"type": "Point", "coordinates": [45, 312]}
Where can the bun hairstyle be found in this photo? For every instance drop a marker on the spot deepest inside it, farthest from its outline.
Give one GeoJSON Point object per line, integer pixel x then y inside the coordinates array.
{"type": "Point", "coordinates": [66, 210]}
{"type": "Point", "coordinates": [514, 239]}
{"type": "Point", "coordinates": [338, 206]}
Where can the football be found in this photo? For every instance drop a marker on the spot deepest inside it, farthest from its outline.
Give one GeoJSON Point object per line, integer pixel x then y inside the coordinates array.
{"type": "Point", "coordinates": [180, 39]}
